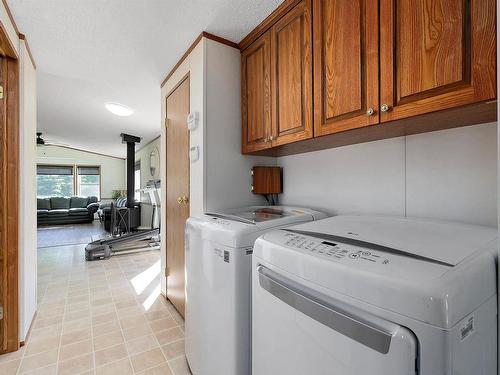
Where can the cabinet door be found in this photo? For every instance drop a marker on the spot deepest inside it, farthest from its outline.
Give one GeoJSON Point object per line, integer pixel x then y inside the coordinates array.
{"type": "Point", "coordinates": [256, 95]}
{"type": "Point", "coordinates": [346, 70]}
{"type": "Point", "coordinates": [435, 54]}
{"type": "Point", "coordinates": [291, 62]}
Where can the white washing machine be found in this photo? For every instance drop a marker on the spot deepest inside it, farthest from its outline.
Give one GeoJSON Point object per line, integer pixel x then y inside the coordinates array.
{"type": "Point", "coordinates": [219, 250]}
{"type": "Point", "coordinates": [357, 295]}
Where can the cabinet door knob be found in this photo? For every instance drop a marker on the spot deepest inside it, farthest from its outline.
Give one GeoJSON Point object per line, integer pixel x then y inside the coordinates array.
{"type": "Point", "coordinates": [384, 107]}
{"type": "Point", "coordinates": [370, 111]}
{"type": "Point", "coordinates": [271, 138]}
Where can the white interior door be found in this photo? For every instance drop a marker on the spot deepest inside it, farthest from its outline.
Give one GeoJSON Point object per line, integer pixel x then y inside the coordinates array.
{"type": "Point", "coordinates": [296, 330]}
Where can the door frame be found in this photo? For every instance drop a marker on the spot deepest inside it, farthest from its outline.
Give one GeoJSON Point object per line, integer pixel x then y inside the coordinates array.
{"type": "Point", "coordinates": [9, 199]}
{"type": "Point", "coordinates": [185, 77]}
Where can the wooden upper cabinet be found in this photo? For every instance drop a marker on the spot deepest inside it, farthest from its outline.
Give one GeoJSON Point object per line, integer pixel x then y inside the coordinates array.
{"type": "Point", "coordinates": [291, 76]}
{"type": "Point", "coordinates": [435, 54]}
{"type": "Point", "coordinates": [346, 91]}
{"type": "Point", "coordinates": [256, 95]}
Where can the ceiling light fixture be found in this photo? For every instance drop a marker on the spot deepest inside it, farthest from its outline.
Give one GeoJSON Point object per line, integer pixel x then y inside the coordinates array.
{"type": "Point", "coordinates": [119, 109]}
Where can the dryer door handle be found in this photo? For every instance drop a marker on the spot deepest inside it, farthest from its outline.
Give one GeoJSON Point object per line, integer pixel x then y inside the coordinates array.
{"type": "Point", "coordinates": [360, 326]}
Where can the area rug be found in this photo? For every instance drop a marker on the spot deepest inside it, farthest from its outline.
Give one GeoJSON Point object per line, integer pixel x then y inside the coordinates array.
{"type": "Point", "coordinates": [63, 235]}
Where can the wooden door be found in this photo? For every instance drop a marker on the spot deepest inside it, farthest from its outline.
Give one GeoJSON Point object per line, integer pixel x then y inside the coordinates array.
{"type": "Point", "coordinates": [9, 205]}
{"type": "Point", "coordinates": [291, 73]}
{"type": "Point", "coordinates": [177, 193]}
{"type": "Point", "coordinates": [346, 69]}
{"type": "Point", "coordinates": [256, 95]}
{"type": "Point", "coordinates": [435, 54]}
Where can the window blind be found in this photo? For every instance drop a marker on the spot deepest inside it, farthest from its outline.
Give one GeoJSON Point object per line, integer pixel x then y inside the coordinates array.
{"type": "Point", "coordinates": [88, 171]}
{"type": "Point", "coordinates": [54, 170]}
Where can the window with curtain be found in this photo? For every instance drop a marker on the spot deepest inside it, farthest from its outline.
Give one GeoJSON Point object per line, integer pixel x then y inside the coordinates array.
{"type": "Point", "coordinates": [137, 181]}
{"type": "Point", "coordinates": [89, 182]}
{"type": "Point", "coordinates": [54, 181]}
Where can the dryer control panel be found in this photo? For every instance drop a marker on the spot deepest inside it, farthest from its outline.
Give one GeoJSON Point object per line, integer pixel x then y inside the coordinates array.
{"type": "Point", "coordinates": [333, 250]}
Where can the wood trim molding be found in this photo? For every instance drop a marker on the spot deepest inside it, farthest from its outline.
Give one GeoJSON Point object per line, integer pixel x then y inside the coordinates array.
{"type": "Point", "coordinates": [265, 25]}
{"type": "Point", "coordinates": [23, 37]}
{"type": "Point", "coordinates": [10, 203]}
{"type": "Point", "coordinates": [6, 46]}
{"type": "Point", "coordinates": [203, 34]}
{"type": "Point", "coordinates": [20, 35]}
{"type": "Point", "coordinates": [11, 17]}
{"type": "Point", "coordinates": [219, 39]}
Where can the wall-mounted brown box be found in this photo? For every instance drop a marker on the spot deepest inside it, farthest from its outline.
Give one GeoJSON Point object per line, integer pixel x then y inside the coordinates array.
{"type": "Point", "coordinates": [267, 180]}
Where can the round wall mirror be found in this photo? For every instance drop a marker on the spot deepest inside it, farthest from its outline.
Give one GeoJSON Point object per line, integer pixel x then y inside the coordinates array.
{"type": "Point", "coordinates": [154, 162]}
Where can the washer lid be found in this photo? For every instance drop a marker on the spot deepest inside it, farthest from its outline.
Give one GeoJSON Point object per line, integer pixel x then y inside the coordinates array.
{"type": "Point", "coordinates": [240, 227]}
{"type": "Point", "coordinates": [439, 241]}
{"type": "Point", "coordinates": [433, 271]}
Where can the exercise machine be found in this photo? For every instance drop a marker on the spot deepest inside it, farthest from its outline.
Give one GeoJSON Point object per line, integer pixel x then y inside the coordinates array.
{"type": "Point", "coordinates": [126, 242]}
{"type": "Point", "coordinates": [123, 239]}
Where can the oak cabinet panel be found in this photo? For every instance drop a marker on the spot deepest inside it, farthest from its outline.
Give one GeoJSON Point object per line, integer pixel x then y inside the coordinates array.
{"type": "Point", "coordinates": [345, 65]}
{"type": "Point", "coordinates": [291, 62]}
{"type": "Point", "coordinates": [329, 66]}
{"type": "Point", "coordinates": [256, 95]}
{"type": "Point", "coordinates": [435, 54]}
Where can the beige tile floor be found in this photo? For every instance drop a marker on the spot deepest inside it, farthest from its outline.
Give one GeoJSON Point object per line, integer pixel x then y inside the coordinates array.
{"type": "Point", "coordinates": [102, 317]}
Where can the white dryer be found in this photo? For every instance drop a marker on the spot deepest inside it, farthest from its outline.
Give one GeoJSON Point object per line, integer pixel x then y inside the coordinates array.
{"type": "Point", "coordinates": [357, 295]}
{"type": "Point", "coordinates": [219, 250]}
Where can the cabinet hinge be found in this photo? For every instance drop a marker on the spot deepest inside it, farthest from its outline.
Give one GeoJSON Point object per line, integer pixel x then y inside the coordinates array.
{"type": "Point", "coordinates": [1, 92]}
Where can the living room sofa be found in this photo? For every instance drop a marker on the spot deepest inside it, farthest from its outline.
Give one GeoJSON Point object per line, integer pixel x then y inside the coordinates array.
{"type": "Point", "coordinates": [61, 210]}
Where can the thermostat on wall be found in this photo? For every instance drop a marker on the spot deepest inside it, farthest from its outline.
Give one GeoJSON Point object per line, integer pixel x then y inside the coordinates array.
{"type": "Point", "coordinates": [192, 120]}
{"type": "Point", "coordinates": [194, 153]}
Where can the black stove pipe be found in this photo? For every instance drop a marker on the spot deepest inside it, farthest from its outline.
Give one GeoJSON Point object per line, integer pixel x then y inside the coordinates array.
{"type": "Point", "coordinates": [130, 140]}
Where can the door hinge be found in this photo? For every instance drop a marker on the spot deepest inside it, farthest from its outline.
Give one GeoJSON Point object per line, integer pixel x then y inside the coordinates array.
{"type": "Point", "coordinates": [1, 92]}
{"type": "Point", "coordinates": [166, 271]}
{"type": "Point", "coordinates": [166, 123]}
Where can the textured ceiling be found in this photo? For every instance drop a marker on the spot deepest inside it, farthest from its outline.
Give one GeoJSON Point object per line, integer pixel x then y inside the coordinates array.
{"type": "Point", "coordinates": [89, 52]}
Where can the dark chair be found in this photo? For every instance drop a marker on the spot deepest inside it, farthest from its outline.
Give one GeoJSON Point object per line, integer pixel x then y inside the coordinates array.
{"type": "Point", "coordinates": [120, 204]}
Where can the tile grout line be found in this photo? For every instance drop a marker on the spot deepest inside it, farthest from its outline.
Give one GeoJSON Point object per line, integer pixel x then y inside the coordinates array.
{"type": "Point", "coordinates": [91, 328]}
{"type": "Point", "coordinates": [120, 325]}
{"type": "Point", "coordinates": [62, 325]}
{"type": "Point", "coordinates": [36, 320]}
{"type": "Point", "coordinates": [65, 270]}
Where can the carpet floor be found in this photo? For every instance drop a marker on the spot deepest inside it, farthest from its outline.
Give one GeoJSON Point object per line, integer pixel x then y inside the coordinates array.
{"type": "Point", "coordinates": [71, 234]}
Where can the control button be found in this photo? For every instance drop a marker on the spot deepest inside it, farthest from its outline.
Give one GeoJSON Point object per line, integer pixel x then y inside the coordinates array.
{"type": "Point", "coordinates": [366, 253]}
{"type": "Point", "coordinates": [385, 261]}
{"type": "Point", "coordinates": [354, 256]}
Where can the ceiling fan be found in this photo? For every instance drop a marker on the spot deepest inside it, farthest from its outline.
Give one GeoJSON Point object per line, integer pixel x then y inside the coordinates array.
{"type": "Point", "coordinates": [46, 142]}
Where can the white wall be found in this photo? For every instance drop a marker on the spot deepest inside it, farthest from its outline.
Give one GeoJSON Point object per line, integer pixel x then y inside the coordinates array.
{"type": "Point", "coordinates": [112, 169]}
{"type": "Point", "coordinates": [143, 155]}
{"type": "Point", "coordinates": [27, 193]}
{"type": "Point", "coordinates": [498, 172]}
{"type": "Point", "coordinates": [27, 202]}
{"type": "Point", "coordinates": [194, 65]}
{"type": "Point", "coordinates": [227, 171]}
{"type": "Point", "coordinates": [449, 174]}
{"type": "Point", "coordinates": [221, 177]}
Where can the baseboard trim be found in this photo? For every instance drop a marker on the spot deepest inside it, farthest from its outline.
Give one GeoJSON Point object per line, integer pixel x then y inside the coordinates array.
{"type": "Point", "coordinates": [28, 334]}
